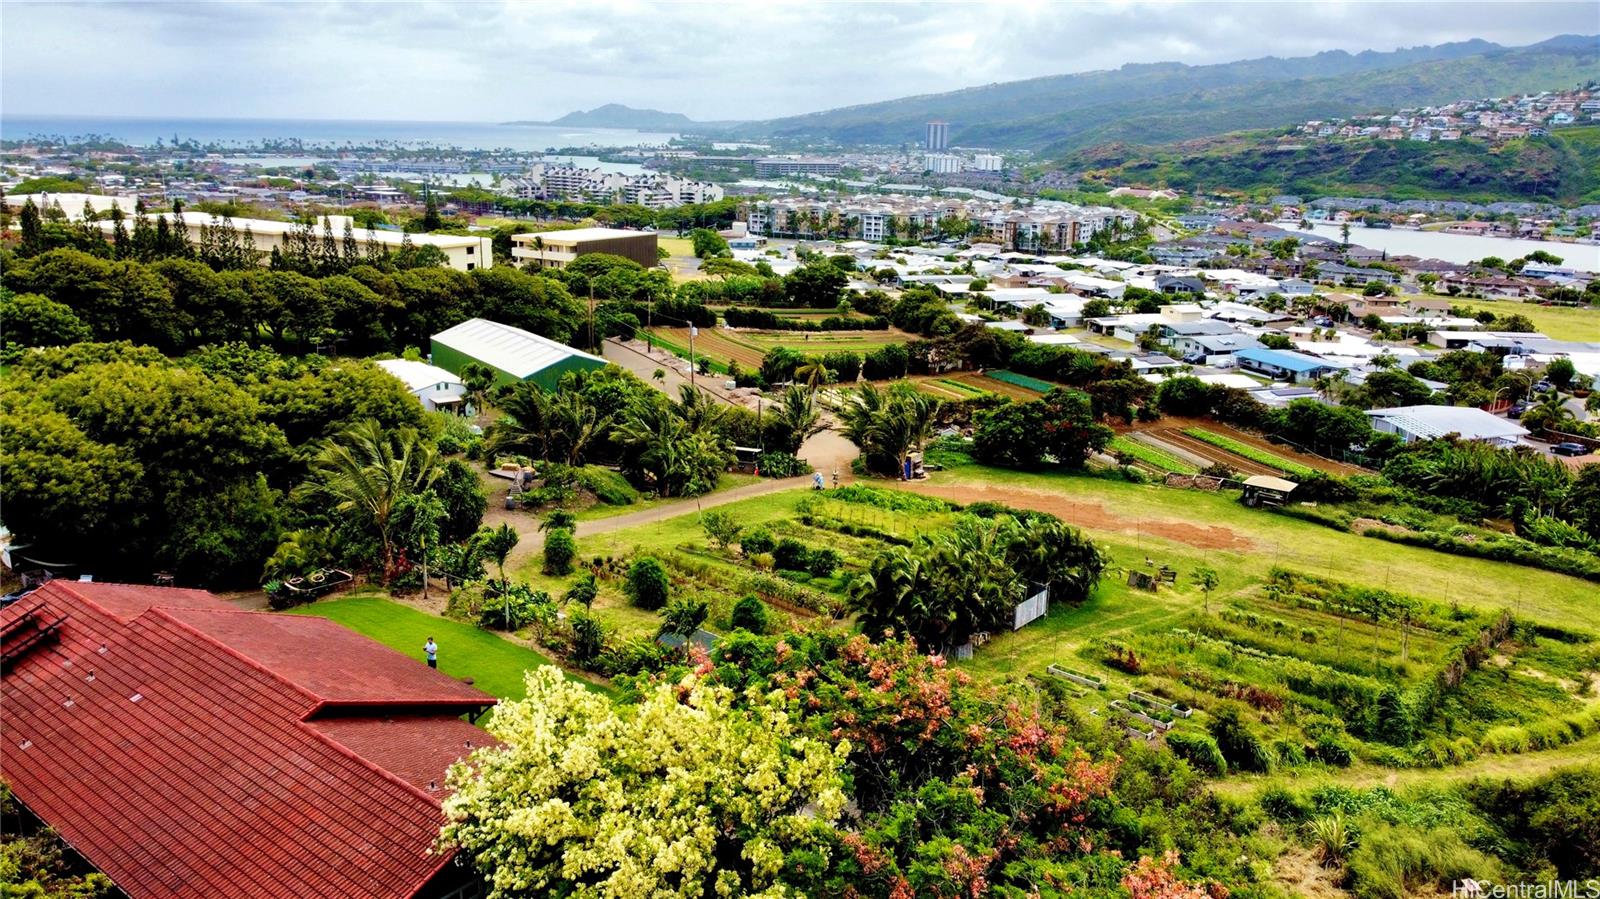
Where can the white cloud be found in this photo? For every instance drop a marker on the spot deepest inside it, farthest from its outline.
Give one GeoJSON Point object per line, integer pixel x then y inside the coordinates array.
{"type": "Point", "coordinates": [494, 61]}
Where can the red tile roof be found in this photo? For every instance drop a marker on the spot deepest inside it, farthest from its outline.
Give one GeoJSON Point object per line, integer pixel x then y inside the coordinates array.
{"type": "Point", "coordinates": [164, 746]}
{"type": "Point", "coordinates": [329, 662]}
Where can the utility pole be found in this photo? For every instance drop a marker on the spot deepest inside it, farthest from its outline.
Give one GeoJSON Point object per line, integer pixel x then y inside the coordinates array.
{"type": "Point", "coordinates": [424, 567]}
{"type": "Point", "coordinates": [591, 315]}
{"type": "Point", "coordinates": [692, 331]}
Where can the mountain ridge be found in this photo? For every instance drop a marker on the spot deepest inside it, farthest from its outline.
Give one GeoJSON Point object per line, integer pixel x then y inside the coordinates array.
{"type": "Point", "coordinates": [1055, 114]}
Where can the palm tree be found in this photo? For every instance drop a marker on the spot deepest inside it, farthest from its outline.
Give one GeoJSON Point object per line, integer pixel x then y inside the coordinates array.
{"type": "Point", "coordinates": [525, 424]}
{"type": "Point", "coordinates": [366, 471]}
{"type": "Point", "coordinates": [497, 544]}
{"type": "Point", "coordinates": [813, 374]}
{"type": "Point", "coordinates": [677, 447]}
{"type": "Point", "coordinates": [858, 411]}
{"type": "Point", "coordinates": [574, 424]}
{"type": "Point", "coordinates": [478, 379]}
{"type": "Point", "coordinates": [798, 416]}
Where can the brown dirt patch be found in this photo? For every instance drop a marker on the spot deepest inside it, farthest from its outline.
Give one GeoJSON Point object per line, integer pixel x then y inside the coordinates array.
{"type": "Point", "coordinates": [1299, 874]}
{"type": "Point", "coordinates": [1091, 516]}
{"type": "Point", "coordinates": [1362, 525]}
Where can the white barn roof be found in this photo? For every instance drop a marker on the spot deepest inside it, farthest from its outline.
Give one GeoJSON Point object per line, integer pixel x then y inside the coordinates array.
{"type": "Point", "coordinates": [417, 375]}
{"type": "Point", "coordinates": [514, 351]}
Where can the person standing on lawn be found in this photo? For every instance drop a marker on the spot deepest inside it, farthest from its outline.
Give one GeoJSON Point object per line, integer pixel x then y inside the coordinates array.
{"type": "Point", "coordinates": [432, 649]}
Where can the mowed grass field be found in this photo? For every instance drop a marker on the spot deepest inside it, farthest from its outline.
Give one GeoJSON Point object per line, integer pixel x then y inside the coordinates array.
{"type": "Point", "coordinates": [494, 663]}
{"type": "Point", "coordinates": [1558, 322]}
{"type": "Point", "coordinates": [675, 246]}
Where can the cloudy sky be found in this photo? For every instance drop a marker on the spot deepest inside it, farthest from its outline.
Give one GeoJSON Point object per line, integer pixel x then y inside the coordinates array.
{"type": "Point", "coordinates": [466, 61]}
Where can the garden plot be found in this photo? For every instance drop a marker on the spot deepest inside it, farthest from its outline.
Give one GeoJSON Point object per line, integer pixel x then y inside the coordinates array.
{"type": "Point", "coordinates": [1332, 672]}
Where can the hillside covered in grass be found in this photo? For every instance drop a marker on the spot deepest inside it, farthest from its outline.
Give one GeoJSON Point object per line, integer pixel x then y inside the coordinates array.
{"type": "Point", "coordinates": [1563, 167]}
{"type": "Point", "coordinates": [1161, 102]}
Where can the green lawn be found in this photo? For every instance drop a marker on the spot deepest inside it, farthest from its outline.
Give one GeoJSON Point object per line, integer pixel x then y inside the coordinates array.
{"type": "Point", "coordinates": [495, 664]}
{"type": "Point", "coordinates": [1558, 322]}
{"type": "Point", "coordinates": [676, 246]}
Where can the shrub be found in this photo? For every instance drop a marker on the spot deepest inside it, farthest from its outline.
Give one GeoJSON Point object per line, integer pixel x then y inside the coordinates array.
{"type": "Point", "coordinates": [1283, 804]}
{"type": "Point", "coordinates": [588, 639]}
{"type": "Point", "coordinates": [775, 464]}
{"type": "Point", "coordinates": [647, 585]}
{"type": "Point", "coordinates": [756, 542]}
{"type": "Point", "coordinates": [790, 554]}
{"type": "Point", "coordinates": [1289, 752]}
{"type": "Point", "coordinates": [560, 548]}
{"type": "Point", "coordinates": [515, 608]}
{"type": "Point", "coordinates": [683, 616]}
{"type": "Point", "coordinates": [609, 487]}
{"type": "Point", "coordinates": [1397, 861]}
{"type": "Point", "coordinates": [823, 562]}
{"type": "Point", "coordinates": [455, 434]}
{"type": "Point", "coordinates": [721, 528]}
{"type": "Point", "coordinates": [1243, 749]}
{"type": "Point", "coordinates": [1199, 750]}
{"type": "Point", "coordinates": [1330, 750]}
{"type": "Point", "coordinates": [750, 614]}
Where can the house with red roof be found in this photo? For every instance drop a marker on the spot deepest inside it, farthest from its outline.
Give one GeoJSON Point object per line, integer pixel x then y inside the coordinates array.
{"type": "Point", "coordinates": [186, 748]}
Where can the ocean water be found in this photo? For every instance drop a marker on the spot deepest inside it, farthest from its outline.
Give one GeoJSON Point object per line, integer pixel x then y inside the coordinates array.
{"type": "Point", "coordinates": [324, 132]}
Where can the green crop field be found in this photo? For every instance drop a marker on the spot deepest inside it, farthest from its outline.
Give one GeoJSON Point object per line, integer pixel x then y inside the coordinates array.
{"type": "Point", "coordinates": [1254, 454]}
{"type": "Point", "coordinates": [1149, 455]}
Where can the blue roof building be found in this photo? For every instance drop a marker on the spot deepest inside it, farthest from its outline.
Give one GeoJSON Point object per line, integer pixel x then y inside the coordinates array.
{"type": "Point", "coordinates": [1285, 365]}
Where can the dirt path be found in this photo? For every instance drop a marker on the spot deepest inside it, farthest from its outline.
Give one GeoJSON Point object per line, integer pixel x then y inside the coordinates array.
{"type": "Point", "coordinates": [686, 506]}
{"type": "Point", "coordinates": [1090, 515]}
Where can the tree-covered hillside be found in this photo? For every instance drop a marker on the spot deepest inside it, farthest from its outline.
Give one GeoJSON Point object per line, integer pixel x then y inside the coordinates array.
{"type": "Point", "coordinates": [1563, 167]}
{"type": "Point", "coordinates": [1157, 103]}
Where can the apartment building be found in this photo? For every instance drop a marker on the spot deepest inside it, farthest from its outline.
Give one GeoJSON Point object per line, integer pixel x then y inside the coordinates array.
{"type": "Point", "coordinates": [775, 166]}
{"type": "Point", "coordinates": [1042, 225]}
{"type": "Point", "coordinates": [557, 249]}
{"type": "Point", "coordinates": [463, 252]}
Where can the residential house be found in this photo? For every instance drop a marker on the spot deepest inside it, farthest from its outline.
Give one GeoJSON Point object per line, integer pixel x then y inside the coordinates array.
{"type": "Point", "coordinates": [1286, 365]}
{"type": "Point", "coordinates": [187, 748]}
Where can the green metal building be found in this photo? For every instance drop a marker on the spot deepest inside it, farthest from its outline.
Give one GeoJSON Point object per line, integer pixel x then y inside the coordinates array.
{"type": "Point", "coordinates": [514, 354]}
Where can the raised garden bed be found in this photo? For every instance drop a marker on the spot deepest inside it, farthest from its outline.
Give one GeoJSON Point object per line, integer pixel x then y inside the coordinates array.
{"type": "Point", "coordinates": [1146, 699]}
{"type": "Point", "coordinates": [1077, 677]}
{"type": "Point", "coordinates": [1154, 722]}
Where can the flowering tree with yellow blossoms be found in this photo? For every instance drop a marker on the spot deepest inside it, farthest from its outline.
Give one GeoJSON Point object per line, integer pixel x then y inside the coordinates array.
{"type": "Point", "coordinates": [692, 792]}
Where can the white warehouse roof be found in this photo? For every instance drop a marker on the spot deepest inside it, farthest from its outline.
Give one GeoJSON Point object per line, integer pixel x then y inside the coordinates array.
{"type": "Point", "coordinates": [1427, 422]}
{"type": "Point", "coordinates": [514, 351]}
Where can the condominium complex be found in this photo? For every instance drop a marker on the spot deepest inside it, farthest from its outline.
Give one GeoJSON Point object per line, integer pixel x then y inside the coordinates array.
{"type": "Point", "coordinates": [1038, 225]}
{"type": "Point", "coordinates": [570, 182]}
{"type": "Point", "coordinates": [938, 137]}
{"type": "Point", "coordinates": [464, 252]}
{"type": "Point", "coordinates": [774, 166]}
{"type": "Point", "coordinates": [943, 163]}
{"type": "Point", "coordinates": [557, 249]}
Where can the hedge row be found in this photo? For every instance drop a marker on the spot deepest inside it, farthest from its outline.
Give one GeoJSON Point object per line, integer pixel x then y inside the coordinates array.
{"type": "Point", "coordinates": [737, 317]}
